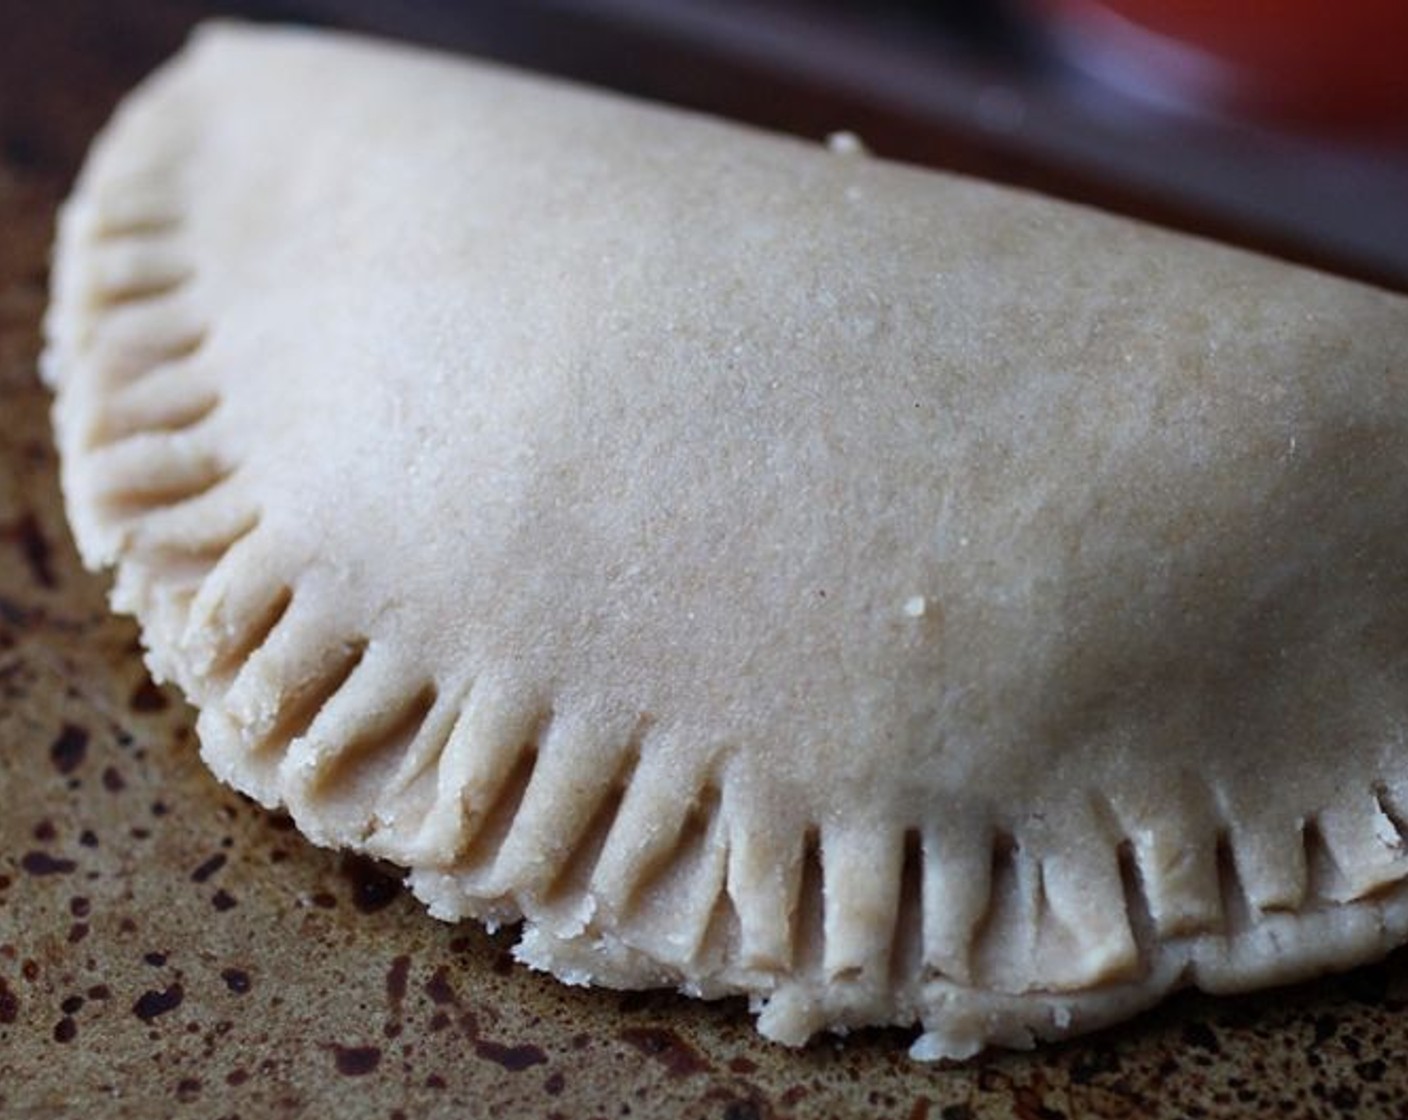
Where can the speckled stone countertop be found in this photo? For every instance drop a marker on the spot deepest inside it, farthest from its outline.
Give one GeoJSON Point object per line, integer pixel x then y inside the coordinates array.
{"type": "Point", "coordinates": [168, 948]}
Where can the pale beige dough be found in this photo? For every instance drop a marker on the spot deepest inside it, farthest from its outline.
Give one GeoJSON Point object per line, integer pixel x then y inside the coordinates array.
{"type": "Point", "coordinates": [760, 568]}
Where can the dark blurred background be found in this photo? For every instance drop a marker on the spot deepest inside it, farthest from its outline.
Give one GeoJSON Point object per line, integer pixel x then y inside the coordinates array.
{"type": "Point", "coordinates": [1279, 125]}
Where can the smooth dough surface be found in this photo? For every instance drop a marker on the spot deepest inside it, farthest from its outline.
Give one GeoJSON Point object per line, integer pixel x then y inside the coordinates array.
{"type": "Point", "coordinates": [761, 568]}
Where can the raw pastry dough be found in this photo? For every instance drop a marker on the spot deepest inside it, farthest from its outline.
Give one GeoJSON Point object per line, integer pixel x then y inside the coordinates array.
{"type": "Point", "coordinates": [762, 569]}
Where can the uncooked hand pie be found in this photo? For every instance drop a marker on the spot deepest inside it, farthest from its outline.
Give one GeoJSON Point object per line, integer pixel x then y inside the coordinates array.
{"type": "Point", "coordinates": [761, 569]}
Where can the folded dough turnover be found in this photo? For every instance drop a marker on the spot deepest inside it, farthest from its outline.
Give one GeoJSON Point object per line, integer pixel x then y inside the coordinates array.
{"type": "Point", "coordinates": [761, 569]}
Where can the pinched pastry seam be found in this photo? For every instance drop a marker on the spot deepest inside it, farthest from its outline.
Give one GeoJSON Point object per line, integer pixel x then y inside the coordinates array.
{"type": "Point", "coordinates": [463, 781]}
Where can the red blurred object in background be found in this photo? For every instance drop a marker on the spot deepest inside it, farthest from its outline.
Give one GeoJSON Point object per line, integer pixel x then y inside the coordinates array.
{"type": "Point", "coordinates": [1341, 66]}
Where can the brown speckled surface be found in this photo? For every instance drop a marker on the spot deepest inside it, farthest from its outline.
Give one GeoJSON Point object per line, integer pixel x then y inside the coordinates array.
{"type": "Point", "coordinates": [167, 948]}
